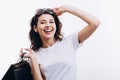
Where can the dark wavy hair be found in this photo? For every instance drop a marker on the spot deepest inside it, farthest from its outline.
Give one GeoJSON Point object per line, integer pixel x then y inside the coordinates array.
{"type": "Point", "coordinates": [34, 37]}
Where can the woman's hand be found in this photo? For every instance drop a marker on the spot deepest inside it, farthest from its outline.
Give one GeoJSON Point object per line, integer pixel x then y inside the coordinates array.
{"type": "Point", "coordinates": [37, 75]}
{"type": "Point", "coordinates": [59, 10]}
{"type": "Point", "coordinates": [28, 54]}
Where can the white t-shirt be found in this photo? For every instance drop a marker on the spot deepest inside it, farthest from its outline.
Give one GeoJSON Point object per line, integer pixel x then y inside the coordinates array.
{"type": "Point", "coordinates": [59, 60]}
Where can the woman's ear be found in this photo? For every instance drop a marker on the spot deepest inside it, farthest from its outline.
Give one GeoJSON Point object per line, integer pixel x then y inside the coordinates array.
{"type": "Point", "coordinates": [35, 29]}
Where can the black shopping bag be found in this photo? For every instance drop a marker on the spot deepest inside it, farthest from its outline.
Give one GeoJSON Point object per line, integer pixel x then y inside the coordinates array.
{"type": "Point", "coordinates": [9, 75]}
{"type": "Point", "coordinates": [19, 71]}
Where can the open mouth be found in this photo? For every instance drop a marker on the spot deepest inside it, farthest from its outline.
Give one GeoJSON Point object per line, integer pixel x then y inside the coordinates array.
{"type": "Point", "coordinates": [48, 30]}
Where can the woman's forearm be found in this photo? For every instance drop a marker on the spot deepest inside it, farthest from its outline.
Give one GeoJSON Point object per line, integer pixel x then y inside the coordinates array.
{"type": "Point", "coordinates": [35, 69]}
{"type": "Point", "coordinates": [88, 18]}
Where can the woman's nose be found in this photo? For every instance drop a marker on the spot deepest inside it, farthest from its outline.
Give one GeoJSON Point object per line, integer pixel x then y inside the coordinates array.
{"type": "Point", "coordinates": [48, 24]}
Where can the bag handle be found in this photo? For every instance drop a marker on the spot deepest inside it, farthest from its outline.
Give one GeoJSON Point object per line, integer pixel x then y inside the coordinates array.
{"type": "Point", "coordinates": [21, 58]}
{"type": "Point", "coordinates": [23, 55]}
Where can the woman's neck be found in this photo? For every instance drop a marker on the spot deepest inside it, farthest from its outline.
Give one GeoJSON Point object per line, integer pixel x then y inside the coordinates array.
{"type": "Point", "coordinates": [48, 42]}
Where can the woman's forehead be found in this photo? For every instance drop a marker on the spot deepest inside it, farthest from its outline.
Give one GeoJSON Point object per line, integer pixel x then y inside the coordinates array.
{"type": "Point", "coordinates": [46, 17]}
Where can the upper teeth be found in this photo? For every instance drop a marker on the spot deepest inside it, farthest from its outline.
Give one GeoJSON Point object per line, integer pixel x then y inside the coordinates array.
{"type": "Point", "coordinates": [48, 30]}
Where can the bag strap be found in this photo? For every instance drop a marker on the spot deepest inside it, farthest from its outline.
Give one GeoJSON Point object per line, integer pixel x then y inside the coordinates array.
{"type": "Point", "coordinates": [23, 55]}
{"type": "Point", "coordinates": [21, 58]}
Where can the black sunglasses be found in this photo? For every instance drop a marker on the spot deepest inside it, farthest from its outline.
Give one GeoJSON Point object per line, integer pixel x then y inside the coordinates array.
{"type": "Point", "coordinates": [44, 10]}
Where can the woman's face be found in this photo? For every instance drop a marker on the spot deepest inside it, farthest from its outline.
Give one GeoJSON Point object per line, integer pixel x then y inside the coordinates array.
{"type": "Point", "coordinates": [46, 26]}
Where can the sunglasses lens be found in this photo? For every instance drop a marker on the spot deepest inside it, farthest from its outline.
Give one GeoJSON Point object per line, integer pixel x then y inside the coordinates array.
{"type": "Point", "coordinates": [44, 10]}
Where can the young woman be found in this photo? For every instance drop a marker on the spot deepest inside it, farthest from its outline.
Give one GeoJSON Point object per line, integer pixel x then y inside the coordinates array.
{"type": "Point", "coordinates": [49, 50]}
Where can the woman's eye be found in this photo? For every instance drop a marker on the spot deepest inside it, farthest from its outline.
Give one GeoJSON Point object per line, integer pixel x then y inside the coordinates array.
{"type": "Point", "coordinates": [42, 22]}
{"type": "Point", "coordinates": [51, 22]}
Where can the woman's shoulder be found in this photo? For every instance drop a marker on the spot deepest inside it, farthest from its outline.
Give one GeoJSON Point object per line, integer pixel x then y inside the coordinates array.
{"type": "Point", "coordinates": [71, 36]}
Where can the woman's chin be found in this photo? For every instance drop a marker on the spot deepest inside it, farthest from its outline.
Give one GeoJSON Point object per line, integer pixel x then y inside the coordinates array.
{"type": "Point", "coordinates": [49, 37]}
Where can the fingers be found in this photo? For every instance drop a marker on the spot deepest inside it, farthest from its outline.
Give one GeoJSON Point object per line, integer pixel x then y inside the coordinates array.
{"type": "Point", "coordinates": [56, 10]}
{"type": "Point", "coordinates": [27, 54]}
{"type": "Point", "coordinates": [23, 55]}
{"type": "Point", "coordinates": [59, 11]}
{"type": "Point", "coordinates": [29, 50]}
{"type": "Point", "coordinates": [21, 52]}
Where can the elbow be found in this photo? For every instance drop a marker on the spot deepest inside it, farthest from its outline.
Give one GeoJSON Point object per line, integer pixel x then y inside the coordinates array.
{"type": "Point", "coordinates": [96, 23]}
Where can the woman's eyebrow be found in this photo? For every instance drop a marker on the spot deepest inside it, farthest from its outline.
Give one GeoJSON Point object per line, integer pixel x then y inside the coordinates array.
{"type": "Point", "coordinates": [45, 20]}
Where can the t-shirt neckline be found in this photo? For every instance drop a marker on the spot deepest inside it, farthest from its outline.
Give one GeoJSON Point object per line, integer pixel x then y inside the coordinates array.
{"type": "Point", "coordinates": [51, 47]}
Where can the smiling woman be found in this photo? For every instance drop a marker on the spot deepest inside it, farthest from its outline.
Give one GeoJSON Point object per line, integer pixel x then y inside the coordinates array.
{"type": "Point", "coordinates": [52, 55]}
{"type": "Point", "coordinates": [44, 22]}
{"type": "Point", "coordinates": [97, 59]}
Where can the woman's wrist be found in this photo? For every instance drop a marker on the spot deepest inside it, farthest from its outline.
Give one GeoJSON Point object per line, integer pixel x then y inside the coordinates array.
{"type": "Point", "coordinates": [66, 8]}
{"type": "Point", "coordinates": [32, 56]}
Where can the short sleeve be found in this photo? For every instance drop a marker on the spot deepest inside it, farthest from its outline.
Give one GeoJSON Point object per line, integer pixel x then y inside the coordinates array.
{"type": "Point", "coordinates": [74, 40]}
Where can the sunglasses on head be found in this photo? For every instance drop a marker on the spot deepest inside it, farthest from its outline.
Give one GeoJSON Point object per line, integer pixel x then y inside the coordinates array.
{"type": "Point", "coordinates": [44, 10]}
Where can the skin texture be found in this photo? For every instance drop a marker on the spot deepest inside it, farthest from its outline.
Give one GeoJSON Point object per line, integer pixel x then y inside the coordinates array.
{"type": "Point", "coordinates": [46, 22]}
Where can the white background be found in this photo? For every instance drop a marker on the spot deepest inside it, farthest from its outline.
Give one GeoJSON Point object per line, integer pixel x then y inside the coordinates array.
{"type": "Point", "coordinates": [98, 58]}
